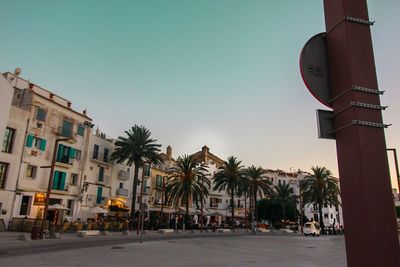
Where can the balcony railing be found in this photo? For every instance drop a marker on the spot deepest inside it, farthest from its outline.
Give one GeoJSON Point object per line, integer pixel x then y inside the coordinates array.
{"type": "Point", "coordinates": [100, 157]}
{"type": "Point", "coordinates": [103, 180]}
{"type": "Point", "coordinates": [65, 132]}
{"type": "Point", "coordinates": [124, 175]}
{"type": "Point", "coordinates": [147, 190]}
{"type": "Point", "coordinates": [122, 192]}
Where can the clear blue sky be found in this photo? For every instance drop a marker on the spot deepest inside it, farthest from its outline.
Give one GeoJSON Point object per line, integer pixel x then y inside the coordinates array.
{"type": "Point", "coordinates": [217, 72]}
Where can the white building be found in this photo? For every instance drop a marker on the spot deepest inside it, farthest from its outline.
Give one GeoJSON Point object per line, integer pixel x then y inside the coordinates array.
{"type": "Point", "coordinates": [330, 213]}
{"type": "Point", "coordinates": [37, 119]}
{"type": "Point", "coordinates": [105, 183]}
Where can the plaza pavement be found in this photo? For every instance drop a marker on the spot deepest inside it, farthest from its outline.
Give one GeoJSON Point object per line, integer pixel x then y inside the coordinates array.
{"type": "Point", "coordinates": [182, 249]}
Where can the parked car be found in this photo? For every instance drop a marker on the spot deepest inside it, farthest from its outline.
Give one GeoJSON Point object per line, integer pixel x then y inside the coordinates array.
{"type": "Point", "coordinates": [311, 228]}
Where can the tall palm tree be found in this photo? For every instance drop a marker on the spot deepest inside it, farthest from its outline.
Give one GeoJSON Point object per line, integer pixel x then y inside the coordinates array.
{"type": "Point", "coordinates": [230, 177]}
{"type": "Point", "coordinates": [136, 148]}
{"type": "Point", "coordinates": [284, 194]}
{"type": "Point", "coordinates": [257, 184]}
{"type": "Point", "coordinates": [187, 180]}
{"type": "Point", "coordinates": [320, 188]}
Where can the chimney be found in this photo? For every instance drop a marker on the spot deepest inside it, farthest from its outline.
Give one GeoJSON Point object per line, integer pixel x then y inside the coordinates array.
{"type": "Point", "coordinates": [205, 151]}
{"type": "Point", "coordinates": [169, 152]}
{"type": "Point", "coordinates": [84, 112]}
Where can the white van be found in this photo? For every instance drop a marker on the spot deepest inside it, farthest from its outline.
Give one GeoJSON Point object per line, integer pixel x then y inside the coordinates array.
{"type": "Point", "coordinates": [311, 228]}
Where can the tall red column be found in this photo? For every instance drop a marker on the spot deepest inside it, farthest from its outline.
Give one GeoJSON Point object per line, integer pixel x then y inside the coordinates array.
{"type": "Point", "coordinates": [370, 223]}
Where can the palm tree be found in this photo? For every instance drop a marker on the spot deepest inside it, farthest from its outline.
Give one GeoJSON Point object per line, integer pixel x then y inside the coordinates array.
{"type": "Point", "coordinates": [230, 177]}
{"type": "Point", "coordinates": [137, 148]}
{"type": "Point", "coordinates": [284, 194]}
{"type": "Point", "coordinates": [320, 188]}
{"type": "Point", "coordinates": [187, 180]}
{"type": "Point", "coordinates": [257, 184]}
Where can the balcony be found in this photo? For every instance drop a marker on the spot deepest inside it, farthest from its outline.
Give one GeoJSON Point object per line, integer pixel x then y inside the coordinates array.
{"type": "Point", "coordinates": [147, 190]}
{"type": "Point", "coordinates": [64, 162]}
{"type": "Point", "coordinates": [124, 175]}
{"type": "Point", "coordinates": [122, 192]}
{"type": "Point", "coordinates": [100, 158]}
{"type": "Point", "coordinates": [66, 132]}
{"type": "Point", "coordinates": [103, 180]}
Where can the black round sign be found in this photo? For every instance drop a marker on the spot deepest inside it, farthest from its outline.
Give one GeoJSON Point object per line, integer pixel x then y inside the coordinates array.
{"type": "Point", "coordinates": [314, 68]}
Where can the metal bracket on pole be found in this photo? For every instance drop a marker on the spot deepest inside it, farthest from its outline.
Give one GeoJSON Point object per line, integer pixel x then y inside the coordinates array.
{"type": "Point", "coordinates": [362, 123]}
{"type": "Point", "coordinates": [362, 21]}
{"type": "Point", "coordinates": [359, 89]}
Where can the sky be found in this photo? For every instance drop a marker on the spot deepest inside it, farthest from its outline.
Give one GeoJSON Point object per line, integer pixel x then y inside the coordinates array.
{"type": "Point", "coordinates": [221, 73]}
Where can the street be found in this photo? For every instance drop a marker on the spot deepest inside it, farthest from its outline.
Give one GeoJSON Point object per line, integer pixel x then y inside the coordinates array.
{"type": "Point", "coordinates": [216, 250]}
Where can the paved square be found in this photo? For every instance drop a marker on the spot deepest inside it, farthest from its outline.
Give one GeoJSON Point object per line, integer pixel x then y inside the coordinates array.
{"type": "Point", "coordinates": [260, 250]}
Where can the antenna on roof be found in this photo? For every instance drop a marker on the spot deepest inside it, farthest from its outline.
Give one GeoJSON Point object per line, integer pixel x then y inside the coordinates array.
{"type": "Point", "coordinates": [17, 71]}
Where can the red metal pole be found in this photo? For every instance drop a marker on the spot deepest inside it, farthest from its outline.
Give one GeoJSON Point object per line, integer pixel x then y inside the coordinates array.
{"type": "Point", "coordinates": [368, 210]}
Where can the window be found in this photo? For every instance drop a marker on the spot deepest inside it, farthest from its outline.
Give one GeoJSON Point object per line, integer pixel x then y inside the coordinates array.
{"type": "Point", "coordinates": [36, 142]}
{"type": "Point", "coordinates": [147, 170]}
{"type": "Point", "coordinates": [96, 152]}
{"type": "Point", "coordinates": [80, 130]}
{"type": "Point", "coordinates": [99, 197]}
{"type": "Point", "coordinates": [25, 205]}
{"type": "Point", "coordinates": [159, 180]}
{"type": "Point", "coordinates": [59, 180]}
{"type": "Point", "coordinates": [30, 171]}
{"type": "Point", "coordinates": [101, 174]}
{"type": "Point", "coordinates": [214, 202]}
{"type": "Point", "coordinates": [326, 216]}
{"type": "Point", "coordinates": [3, 174]}
{"type": "Point", "coordinates": [65, 154]}
{"type": "Point", "coordinates": [8, 140]}
{"type": "Point", "coordinates": [70, 206]}
{"type": "Point", "coordinates": [66, 129]}
{"type": "Point", "coordinates": [74, 179]}
{"type": "Point", "coordinates": [106, 154]}
{"type": "Point", "coordinates": [41, 114]}
{"type": "Point", "coordinates": [157, 198]}
{"type": "Point", "coordinates": [121, 185]}
{"type": "Point", "coordinates": [78, 154]}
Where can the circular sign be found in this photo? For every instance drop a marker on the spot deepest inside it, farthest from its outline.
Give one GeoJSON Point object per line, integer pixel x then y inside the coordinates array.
{"type": "Point", "coordinates": [314, 68]}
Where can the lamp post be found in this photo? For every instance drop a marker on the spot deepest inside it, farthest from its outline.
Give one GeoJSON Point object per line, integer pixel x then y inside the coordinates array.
{"type": "Point", "coordinates": [46, 205]}
{"type": "Point", "coordinates": [396, 164]}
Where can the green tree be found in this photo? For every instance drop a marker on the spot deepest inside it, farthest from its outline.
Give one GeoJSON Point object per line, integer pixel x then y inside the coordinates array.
{"type": "Point", "coordinates": [187, 180]}
{"type": "Point", "coordinates": [320, 188]}
{"type": "Point", "coordinates": [257, 185]}
{"type": "Point", "coordinates": [284, 195]}
{"type": "Point", "coordinates": [231, 178]}
{"type": "Point", "coordinates": [136, 148]}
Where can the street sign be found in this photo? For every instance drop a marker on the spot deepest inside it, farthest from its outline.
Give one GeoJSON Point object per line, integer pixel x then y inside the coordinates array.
{"type": "Point", "coordinates": [314, 68]}
{"type": "Point", "coordinates": [325, 124]}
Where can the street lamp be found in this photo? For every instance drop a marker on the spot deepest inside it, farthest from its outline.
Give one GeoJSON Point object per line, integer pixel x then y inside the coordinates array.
{"type": "Point", "coordinates": [46, 205]}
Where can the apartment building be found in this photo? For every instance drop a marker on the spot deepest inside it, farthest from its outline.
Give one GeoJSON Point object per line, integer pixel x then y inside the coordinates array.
{"type": "Point", "coordinates": [37, 119]}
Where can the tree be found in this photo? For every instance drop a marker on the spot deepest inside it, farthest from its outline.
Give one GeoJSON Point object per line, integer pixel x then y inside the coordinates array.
{"type": "Point", "coordinates": [320, 188]}
{"type": "Point", "coordinates": [187, 180]}
{"type": "Point", "coordinates": [136, 148]}
{"type": "Point", "coordinates": [231, 178]}
{"type": "Point", "coordinates": [284, 195]}
{"type": "Point", "coordinates": [257, 185]}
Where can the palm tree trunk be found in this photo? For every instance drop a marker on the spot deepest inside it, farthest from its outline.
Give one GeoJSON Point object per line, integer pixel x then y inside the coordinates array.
{"type": "Point", "coordinates": [134, 187]}
{"type": "Point", "coordinates": [245, 206]}
{"type": "Point", "coordinates": [321, 220]}
{"type": "Point", "coordinates": [233, 209]}
{"type": "Point", "coordinates": [187, 212]}
{"type": "Point", "coordinates": [255, 205]}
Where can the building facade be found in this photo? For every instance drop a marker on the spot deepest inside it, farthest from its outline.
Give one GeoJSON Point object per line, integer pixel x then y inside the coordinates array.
{"type": "Point", "coordinates": [37, 119]}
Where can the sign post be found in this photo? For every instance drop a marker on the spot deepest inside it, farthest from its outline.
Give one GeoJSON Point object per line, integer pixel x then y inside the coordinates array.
{"type": "Point", "coordinates": [368, 210]}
